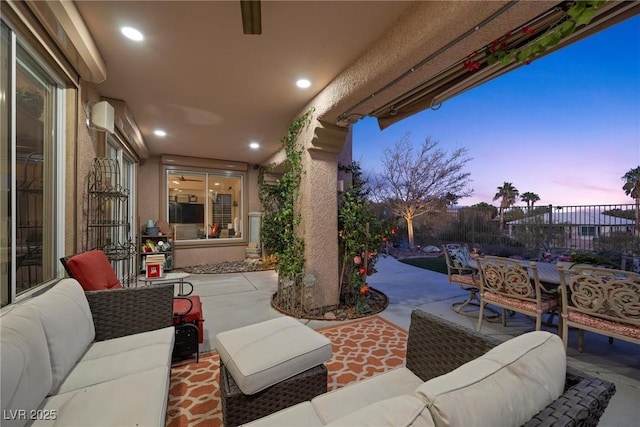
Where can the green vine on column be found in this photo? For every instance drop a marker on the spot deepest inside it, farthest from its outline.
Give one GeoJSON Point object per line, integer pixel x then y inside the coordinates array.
{"type": "Point", "coordinates": [281, 217]}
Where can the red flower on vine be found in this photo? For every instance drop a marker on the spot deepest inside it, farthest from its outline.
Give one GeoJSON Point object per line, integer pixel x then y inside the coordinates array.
{"type": "Point", "coordinates": [362, 271]}
{"type": "Point", "coordinates": [364, 289]}
{"type": "Point", "coordinates": [527, 30]}
{"type": "Point", "coordinates": [471, 65]}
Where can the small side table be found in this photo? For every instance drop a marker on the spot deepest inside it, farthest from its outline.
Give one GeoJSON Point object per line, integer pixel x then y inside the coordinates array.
{"type": "Point", "coordinates": [177, 277]}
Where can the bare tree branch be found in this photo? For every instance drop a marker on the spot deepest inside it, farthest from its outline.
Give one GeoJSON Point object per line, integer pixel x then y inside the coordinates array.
{"type": "Point", "coordinates": [420, 179]}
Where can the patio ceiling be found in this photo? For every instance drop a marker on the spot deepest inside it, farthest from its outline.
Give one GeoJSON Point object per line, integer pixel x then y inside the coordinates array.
{"type": "Point", "coordinates": [214, 90]}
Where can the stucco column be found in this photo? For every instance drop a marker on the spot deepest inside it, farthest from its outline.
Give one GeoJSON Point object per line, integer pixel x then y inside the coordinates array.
{"type": "Point", "coordinates": [319, 209]}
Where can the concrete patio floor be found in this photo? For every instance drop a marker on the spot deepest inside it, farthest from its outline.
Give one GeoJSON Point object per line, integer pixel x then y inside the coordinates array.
{"type": "Point", "coordinates": [238, 299]}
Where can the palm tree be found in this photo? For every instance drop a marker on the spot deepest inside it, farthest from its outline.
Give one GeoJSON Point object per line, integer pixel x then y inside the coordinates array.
{"type": "Point", "coordinates": [507, 195]}
{"type": "Point", "coordinates": [631, 188]}
{"type": "Point", "coordinates": [530, 198]}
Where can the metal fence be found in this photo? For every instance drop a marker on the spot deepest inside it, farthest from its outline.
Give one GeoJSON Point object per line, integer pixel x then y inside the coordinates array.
{"type": "Point", "coordinates": [529, 230]}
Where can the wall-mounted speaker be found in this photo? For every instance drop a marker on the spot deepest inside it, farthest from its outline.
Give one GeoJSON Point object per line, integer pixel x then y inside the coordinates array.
{"type": "Point", "coordinates": [102, 116]}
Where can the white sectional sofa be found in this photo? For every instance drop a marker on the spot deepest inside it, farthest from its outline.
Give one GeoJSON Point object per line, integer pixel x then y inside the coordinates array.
{"type": "Point", "coordinates": [456, 377]}
{"type": "Point", "coordinates": [64, 363]}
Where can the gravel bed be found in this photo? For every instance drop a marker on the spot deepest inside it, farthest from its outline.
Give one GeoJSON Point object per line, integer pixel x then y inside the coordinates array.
{"type": "Point", "coordinates": [227, 267]}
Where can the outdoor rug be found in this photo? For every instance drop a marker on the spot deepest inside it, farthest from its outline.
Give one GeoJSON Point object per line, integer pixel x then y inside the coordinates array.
{"type": "Point", "coordinates": [361, 348]}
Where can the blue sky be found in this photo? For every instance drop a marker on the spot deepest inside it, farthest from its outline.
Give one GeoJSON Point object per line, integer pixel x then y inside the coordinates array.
{"type": "Point", "coordinates": [566, 127]}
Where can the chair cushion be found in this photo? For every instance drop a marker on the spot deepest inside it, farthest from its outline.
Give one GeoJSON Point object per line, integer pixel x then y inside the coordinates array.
{"type": "Point", "coordinates": [605, 325]}
{"type": "Point", "coordinates": [134, 400]}
{"type": "Point", "coordinates": [26, 367]}
{"type": "Point", "coordinates": [263, 354]}
{"type": "Point", "coordinates": [93, 270]}
{"type": "Point", "coordinates": [460, 257]}
{"type": "Point", "coordinates": [360, 394]}
{"type": "Point", "coordinates": [547, 302]}
{"type": "Point", "coordinates": [65, 308]}
{"type": "Point", "coordinates": [506, 386]}
{"type": "Point", "coordinates": [397, 411]}
{"type": "Point", "coordinates": [465, 279]}
{"type": "Point", "coordinates": [120, 357]}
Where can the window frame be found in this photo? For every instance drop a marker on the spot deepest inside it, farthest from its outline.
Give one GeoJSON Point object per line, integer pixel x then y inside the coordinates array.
{"type": "Point", "coordinates": [206, 168]}
{"type": "Point", "coordinates": [588, 231]}
{"type": "Point", "coordinates": [53, 168]}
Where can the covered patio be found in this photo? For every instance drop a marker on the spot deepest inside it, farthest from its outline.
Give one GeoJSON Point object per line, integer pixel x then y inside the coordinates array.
{"type": "Point", "coordinates": [239, 299]}
{"type": "Point", "coordinates": [213, 94]}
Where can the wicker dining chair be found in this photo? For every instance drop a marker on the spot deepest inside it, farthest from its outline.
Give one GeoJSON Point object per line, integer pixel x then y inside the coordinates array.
{"type": "Point", "coordinates": [513, 285]}
{"type": "Point", "coordinates": [600, 300]}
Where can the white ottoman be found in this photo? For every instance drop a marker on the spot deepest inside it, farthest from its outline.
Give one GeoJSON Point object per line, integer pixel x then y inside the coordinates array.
{"type": "Point", "coordinates": [269, 366]}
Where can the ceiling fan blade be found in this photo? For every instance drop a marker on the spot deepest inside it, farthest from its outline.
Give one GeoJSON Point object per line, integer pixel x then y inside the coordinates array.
{"type": "Point", "coordinates": [251, 16]}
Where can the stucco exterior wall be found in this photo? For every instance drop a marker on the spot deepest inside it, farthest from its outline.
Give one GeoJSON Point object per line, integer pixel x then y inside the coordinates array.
{"type": "Point", "coordinates": [84, 151]}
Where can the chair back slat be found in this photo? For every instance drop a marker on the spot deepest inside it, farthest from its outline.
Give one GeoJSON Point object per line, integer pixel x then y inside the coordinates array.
{"type": "Point", "coordinates": [508, 277]}
{"type": "Point", "coordinates": [604, 293]}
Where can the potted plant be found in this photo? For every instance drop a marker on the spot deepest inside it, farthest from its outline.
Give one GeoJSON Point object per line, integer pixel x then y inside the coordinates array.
{"type": "Point", "coordinates": [589, 258]}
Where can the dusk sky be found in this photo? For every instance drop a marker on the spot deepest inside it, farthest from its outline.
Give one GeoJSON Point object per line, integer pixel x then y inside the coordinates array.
{"type": "Point", "coordinates": [566, 127]}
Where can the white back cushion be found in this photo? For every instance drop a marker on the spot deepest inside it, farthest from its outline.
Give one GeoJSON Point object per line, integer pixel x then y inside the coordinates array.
{"type": "Point", "coordinates": [68, 325]}
{"type": "Point", "coordinates": [505, 387]}
{"type": "Point", "coordinates": [25, 366]}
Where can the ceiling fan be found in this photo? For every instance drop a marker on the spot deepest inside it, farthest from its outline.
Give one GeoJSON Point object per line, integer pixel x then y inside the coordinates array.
{"type": "Point", "coordinates": [251, 16]}
{"type": "Point", "coordinates": [183, 179]}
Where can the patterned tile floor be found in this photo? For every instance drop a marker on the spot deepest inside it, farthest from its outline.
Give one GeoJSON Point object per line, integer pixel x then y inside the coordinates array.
{"type": "Point", "coordinates": [361, 348]}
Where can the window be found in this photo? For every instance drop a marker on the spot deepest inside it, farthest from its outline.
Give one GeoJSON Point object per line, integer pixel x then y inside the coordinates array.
{"type": "Point", "coordinates": [587, 231]}
{"type": "Point", "coordinates": [205, 205]}
{"type": "Point", "coordinates": [31, 119]}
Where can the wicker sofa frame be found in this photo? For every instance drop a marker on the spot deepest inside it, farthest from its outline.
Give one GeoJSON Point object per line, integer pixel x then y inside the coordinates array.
{"type": "Point", "coordinates": [437, 346]}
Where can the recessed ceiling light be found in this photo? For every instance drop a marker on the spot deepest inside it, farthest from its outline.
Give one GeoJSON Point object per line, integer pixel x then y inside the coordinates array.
{"type": "Point", "coordinates": [254, 145]}
{"type": "Point", "coordinates": [159, 132]}
{"type": "Point", "coordinates": [303, 83]}
{"type": "Point", "coordinates": [132, 33]}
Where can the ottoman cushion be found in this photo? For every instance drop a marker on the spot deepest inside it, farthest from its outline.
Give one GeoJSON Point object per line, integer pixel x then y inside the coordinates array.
{"type": "Point", "coordinates": [263, 354]}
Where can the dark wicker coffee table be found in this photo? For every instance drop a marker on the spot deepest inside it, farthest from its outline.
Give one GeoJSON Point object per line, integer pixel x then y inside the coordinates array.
{"type": "Point", "coordinates": [239, 408]}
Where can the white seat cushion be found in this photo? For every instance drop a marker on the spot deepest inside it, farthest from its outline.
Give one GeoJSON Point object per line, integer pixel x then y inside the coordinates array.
{"type": "Point", "coordinates": [68, 325]}
{"type": "Point", "coordinates": [505, 387]}
{"type": "Point", "coordinates": [343, 401]}
{"type": "Point", "coordinates": [136, 400]}
{"type": "Point", "coordinates": [263, 354]}
{"type": "Point", "coordinates": [298, 415]}
{"type": "Point", "coordinates": [112, 359]}
{"type": "Point", "coordinates": [25, 366]}
{"type": "Point", "coordinates": [398, 411]}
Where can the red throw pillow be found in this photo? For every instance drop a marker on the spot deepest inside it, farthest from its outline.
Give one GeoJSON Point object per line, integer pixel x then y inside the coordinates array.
{"type": "Point", "coordinates": [93, 270]}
